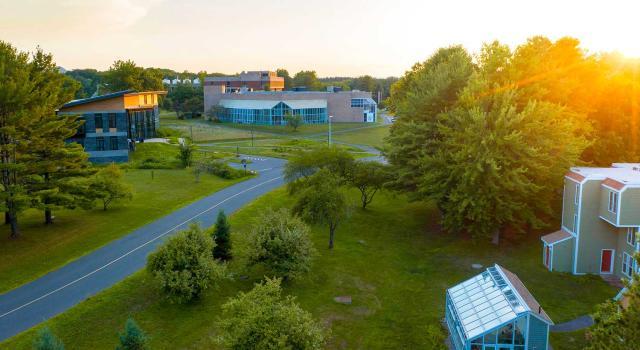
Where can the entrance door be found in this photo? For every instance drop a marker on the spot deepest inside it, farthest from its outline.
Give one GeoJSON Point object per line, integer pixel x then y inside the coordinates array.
{"type": "Point", "coordinates": [606, 262]}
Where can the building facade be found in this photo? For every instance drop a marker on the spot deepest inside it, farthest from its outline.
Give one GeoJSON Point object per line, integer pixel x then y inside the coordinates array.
{"type": "Point", "coordinates": [270, 107]}
{"type": "Point", "coordinates": [494, 310]}
{"type": "Point", "coordinates": [252, 80]}
{"type": "Point", "coordinates": [600, 220]}
{"type": "Point", "coordinates": [111, 121]}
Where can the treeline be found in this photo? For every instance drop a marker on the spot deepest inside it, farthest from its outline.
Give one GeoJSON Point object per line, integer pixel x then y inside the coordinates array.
{"type": "Point", "coordinates": [489, 139]}
{"type": "Point", "coordinates": [311, 81]}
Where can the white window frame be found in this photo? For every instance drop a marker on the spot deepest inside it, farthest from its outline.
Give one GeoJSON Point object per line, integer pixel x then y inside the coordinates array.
{"type": "Point", "coordinates": [631, 236]}
{"type": "Point", "coordinates": [575, 223]}
{"type": "Point", "coordinates": [576, 195]}
{"type": "Point", "coordinates": [613, 202]}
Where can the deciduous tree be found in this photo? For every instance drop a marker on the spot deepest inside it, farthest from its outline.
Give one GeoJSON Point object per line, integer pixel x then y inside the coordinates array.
{"type": "Point", "coordinates": [368, 178]}
{"type": "Point", "coordinates": [293, 120]}
{"type": "Point", "coordinates": [108, 186]}
{"type": "Point", "coordinates": [263, 319]}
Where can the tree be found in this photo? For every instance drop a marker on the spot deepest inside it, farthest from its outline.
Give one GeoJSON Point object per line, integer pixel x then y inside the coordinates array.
{"type": "Point", "coordinates": [307, 79]}
{"type": "Point", "coordinates": [288, 82]}
{"type": "Point", "coordinates": [304, 164]}
{"type": "Point", "coordinates": [185, 153]}
{"type": "Point", "coordinates": [293, 120]}
{"type": "Point", "coordinates": [364, 83]}
{"type": "Point", "coordinates": [133, 338]}
{"type": "Point", "coordinates": [281, 243]}
{"type": "Point", "coordinates": [616, 323]}
{"type": "Point", "coordinates": [216, 112]}
{"type": "Point", "coordinates": [184, 266]}
{"type": "Point", "coordinates": [222, 238]}
{"type": "Point", "coordinates": [368, 178]}
{"type": "Point", "coordinates": [321, 202]}
{"type": "Point", "coordinates": [125, 75]}
{"type": "Point", "coordinates": [263, 319]}
{"type": "Point", "coordinates": [31, 89]}
{"type": "Point", "coordinates": [108, 186]}
{"type": "Point", "coordinates": [186, 99]}
{"type": "Point", "coordinates": [89, 80]}
{"type": "Point", "coordinates": [418, 99]}
{"type": "Point", "coordinates": [47, 341]}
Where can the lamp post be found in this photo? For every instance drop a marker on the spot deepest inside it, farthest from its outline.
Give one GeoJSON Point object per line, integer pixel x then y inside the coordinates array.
{"type": "Point", "coordinates": [330, 117]}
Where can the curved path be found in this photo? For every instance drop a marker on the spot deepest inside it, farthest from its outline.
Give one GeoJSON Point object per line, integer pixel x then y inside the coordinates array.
{"type": "Point", "coordinates": [579, 323]}
{"type": "Point", "coordinates": [59, 290]}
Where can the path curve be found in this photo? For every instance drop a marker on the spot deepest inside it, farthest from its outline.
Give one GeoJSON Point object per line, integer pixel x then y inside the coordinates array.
{"type": "Point", "coordinates": [61, 289]}
{"type": "Point", "coordinates": [577, 324]}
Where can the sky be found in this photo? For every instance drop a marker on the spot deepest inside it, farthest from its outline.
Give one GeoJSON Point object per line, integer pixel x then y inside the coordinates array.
{"type": "Point", "coordinates": [332, 37]}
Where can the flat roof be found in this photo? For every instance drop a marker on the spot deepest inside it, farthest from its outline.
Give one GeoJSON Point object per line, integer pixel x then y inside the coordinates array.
{"type": "Point", "coordinates": [490, 299]}
{"type": "Point", "coordinates": [555, 237]}
{"type": "Point", "coordinates": [626, 173]}
{"type": "Point", "coordinates": [268, 104]}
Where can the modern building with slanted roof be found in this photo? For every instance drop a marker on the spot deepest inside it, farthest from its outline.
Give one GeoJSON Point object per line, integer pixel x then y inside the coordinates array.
{"type": "Point", "coordinates": [600, 220]}
{"type": "Point", "coordinates": [495, 311]}
{"type": "Point", "coordinates": [111, 121]}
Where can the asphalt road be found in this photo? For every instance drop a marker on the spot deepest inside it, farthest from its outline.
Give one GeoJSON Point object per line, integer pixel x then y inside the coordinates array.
{"type": "Point", "coordinates": [51, 294]}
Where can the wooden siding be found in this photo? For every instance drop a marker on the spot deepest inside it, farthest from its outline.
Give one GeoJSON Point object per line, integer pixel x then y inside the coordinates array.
{"type": "Point", "coordinates": [538, 331]}
{"type": "Point", "coordinates": [563, 255]}
{"type": "Point", "coordinates": [568, 203]}
{"type": "Point", "coordinates": [112, 104]}
{"type": "Point", "coordinates": [604, 205]}
{"type": "Point", "coordinates": [630, 207]}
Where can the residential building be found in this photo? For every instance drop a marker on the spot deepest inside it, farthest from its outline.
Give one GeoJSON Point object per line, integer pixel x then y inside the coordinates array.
{"type": "Point", "coordinates": [252, 81]}
{"type": "Point", "coordinates": [600, 220]}
{"type": "Point", "coordinates": [112, 120]}
{"type": "Point", "coordinates": [494, 310]}
{"type": "Point", "coordinates": [271, 107]}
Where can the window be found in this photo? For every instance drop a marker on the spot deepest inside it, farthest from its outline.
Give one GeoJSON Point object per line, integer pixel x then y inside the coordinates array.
{"type": "Point", "coordinates": [627, 264]}
{"type": "Point", "coordinates": [145, 99]}
{"type": "Point", "coordinates": [575, 223]}
{"type": "Point", "coordinates": [613, 202]}
{"type": "Point", "coordinates": [357, 102]}
{"type": "Point", "coordinates": [113, 141]}
{"type": "Point", "coordinates": [576, 195]}
{"type": "Point", "coordinates": [98, 120]}
{"type": "Point", "coordinates": [112, 120]}
{"type": "Point", "coordinates": [99, 143]}
{"type": "Point", "coordinates": [631, 236]}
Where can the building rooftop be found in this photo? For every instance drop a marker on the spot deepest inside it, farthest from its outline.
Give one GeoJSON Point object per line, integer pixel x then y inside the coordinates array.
{"type": "Point", "coordinates": [491, 299]}
{"type": "Point", "coordinates": [82, 101]}
{"type": "Point", "coordinates": [268, 104]}
{"type": "Point", "coordinates": [624, 173]}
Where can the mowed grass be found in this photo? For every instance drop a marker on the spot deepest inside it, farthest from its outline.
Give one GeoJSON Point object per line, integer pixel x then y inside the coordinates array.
{"type": "Point", "coordinates": [371, 136]}
{"type": "Point", "coordinates": [42, 248]}
{"type": "Point", "coordinates": [391, 259]}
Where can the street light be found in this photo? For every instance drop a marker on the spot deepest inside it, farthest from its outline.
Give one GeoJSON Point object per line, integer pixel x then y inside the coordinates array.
{"type": "Point", "coordinates": [330, 117]}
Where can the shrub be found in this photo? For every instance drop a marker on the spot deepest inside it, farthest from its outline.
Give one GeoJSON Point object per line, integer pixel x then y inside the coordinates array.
{"type": "Point", "coordinates": [264, 319]}
{"type": "Point", "coordinates": [185, 154]}
{"type": "Point", "coordinates": [220, 169]}
{"type": "Point", "coordinates": [133, 338]}
{"type": "Point", "coordinates": [281, 243]}
{"type": "Point", "coordinates": [47, 341]}
{"type": "Point", "coordinates": [184, 266]}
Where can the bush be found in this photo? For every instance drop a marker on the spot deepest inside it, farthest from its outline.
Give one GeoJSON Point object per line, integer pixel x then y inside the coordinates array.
{"type": "Point", "coordinates": [185, 154]}
{"type": "Point", "coordinates": [47, 341]}
{"type": "Point", "coordinates": [220, 169]}
{"type": "Point", "coordinates": [281, 243]}
{"type": "Point", "coordinates": [133, 338]}
{"type": "Point", "coordinates": [263, 319]}
{"type": "Point", "coordinates": [184, 266]}
{"type": "Point", "coordinates": [168, 132]}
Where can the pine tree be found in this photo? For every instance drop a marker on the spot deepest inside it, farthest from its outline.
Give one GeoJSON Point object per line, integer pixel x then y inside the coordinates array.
{"type": "Point", "coordinates": [31, 88]}
{"type": "Point", "coordinates": [47, 341]}
{"type": "Point", "coordinates": [133, 338]}
{"type": "Point", "coordinates": [222, 237]}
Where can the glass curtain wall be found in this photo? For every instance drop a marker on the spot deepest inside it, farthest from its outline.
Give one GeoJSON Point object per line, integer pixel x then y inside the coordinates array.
{"type": "Point", "coordinates": [273, 116]}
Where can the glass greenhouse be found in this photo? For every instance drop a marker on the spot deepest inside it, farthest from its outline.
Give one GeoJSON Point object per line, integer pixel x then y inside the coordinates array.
{"type": "Point", "coordinates": [495, 311]}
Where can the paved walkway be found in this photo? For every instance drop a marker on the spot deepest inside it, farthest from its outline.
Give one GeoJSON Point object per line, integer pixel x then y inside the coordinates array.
{"type": "Point", "coordinates": [59, 290]}
{"type": "Point", "coordinates": [579, 323]}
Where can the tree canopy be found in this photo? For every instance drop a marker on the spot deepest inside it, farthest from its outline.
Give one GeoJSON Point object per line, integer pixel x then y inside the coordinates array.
{"type": "Point", "coordinates": [124, 75]}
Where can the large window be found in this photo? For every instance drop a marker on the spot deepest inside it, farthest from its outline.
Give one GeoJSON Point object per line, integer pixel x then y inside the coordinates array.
{"type": "Point", "coordinates": [112, 120]}
{"type": "Point", "coordinates": [98, 120]}
{"type": "Point", "coordinates": [631, 236]}
{"type": "Point", "coordinates": [99, 143]}
{"type": "Point", "coordinates": [273, 116]}
{"type": "Point", "coordinates": [113, 142]}
{"type": "Point", "coordinates": [511, 336]}
{"type": "Point", "coordinates": [613, 202]}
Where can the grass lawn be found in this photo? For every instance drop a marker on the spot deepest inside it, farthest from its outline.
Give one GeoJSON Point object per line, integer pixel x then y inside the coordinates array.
{"type": "Point", "coordinates": [77, 232]}
{"type": "Point", "coordinates": [279, 148]}
{"type": "Point", "coordinates": [391, 259]}
{"type": "Point", "coordinates": [373, 137]}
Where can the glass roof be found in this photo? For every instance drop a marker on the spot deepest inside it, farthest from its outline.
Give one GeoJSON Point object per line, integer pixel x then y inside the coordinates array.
{"type": "Point", "coordinates": [485, 302]}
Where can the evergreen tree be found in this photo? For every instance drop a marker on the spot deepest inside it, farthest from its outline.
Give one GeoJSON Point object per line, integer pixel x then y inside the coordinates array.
{"type": "Point", "coordinates": [47, 341]}
{"type": "Point", "coordinates": [222, 238]}
{"type": "Point", "coordinates": [133, 338]}
{"type": "Point", "coordinates": [31, 88]}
